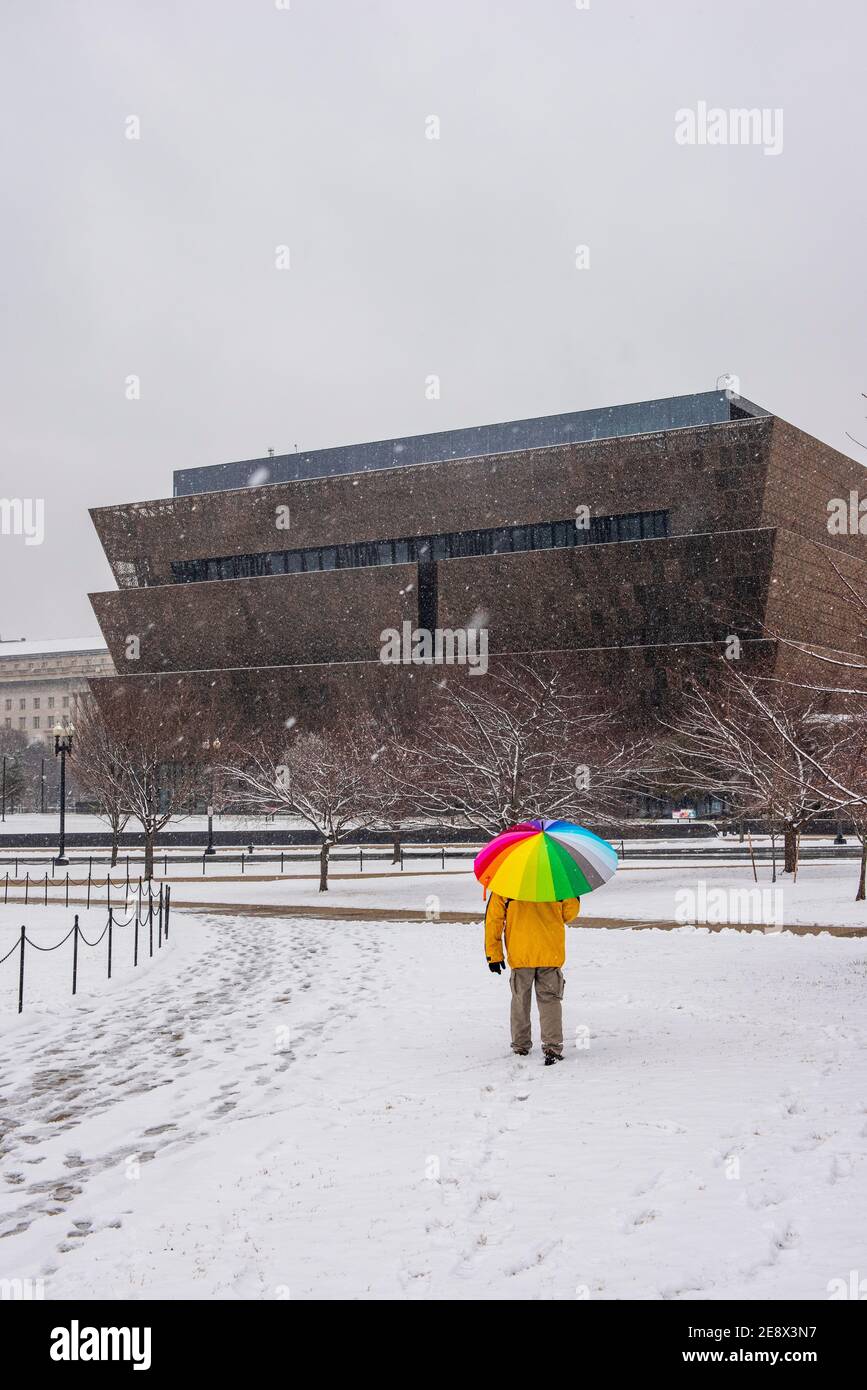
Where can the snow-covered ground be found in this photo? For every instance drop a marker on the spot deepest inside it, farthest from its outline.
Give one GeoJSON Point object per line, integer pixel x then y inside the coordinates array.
{"type": "Point", "coordinates": [311, 1110]}
{"type": "Point", "coordinates": [646, 891]}
{"type": "Point", "coordinates": [46, 823]}
{"type": "Point", "coordinates": [48, 971]}
{"type": "Point", "coordinates": [77, 822]}
{"type": "Point", "coordinates": [823, 895]}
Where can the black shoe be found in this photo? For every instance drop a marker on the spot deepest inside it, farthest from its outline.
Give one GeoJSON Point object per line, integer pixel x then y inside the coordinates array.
{"type": "Point", "coordinates": [521, 1051]}
{"type": "Point", "coordinates": [551, 1058]}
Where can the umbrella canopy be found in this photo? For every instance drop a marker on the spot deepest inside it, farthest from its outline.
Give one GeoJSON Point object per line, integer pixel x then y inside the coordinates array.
{"type": "Point", "coordinates": [544, 861]}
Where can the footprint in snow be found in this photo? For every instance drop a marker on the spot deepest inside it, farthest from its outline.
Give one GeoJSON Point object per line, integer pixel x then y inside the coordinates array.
{"type": "Point", "coordinates": [785, 1238]}
{"type": "Point", "coordinates": [760, 1198]}
{"type": "Point", "coordinates": [840, 1168]}
{"type": "Point", "coordinates": [639, 1218]}
{"type": "Point", "coordinates": [792, 1104]}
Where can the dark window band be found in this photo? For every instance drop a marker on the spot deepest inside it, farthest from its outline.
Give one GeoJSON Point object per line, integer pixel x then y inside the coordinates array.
{"type": "Point", "coordinates": [497, 540]}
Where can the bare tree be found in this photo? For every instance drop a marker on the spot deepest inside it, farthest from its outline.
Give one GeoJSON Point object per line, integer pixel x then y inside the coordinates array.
{"type": "Point", "coordinates": [155, 772]}
{"type": "Point", "coordinates": [14, 751]}
{"type": "Point", "coordinates": [321, 778]}
{"type": "Point", "coordinates": [835, 768]}
{"type": "Point", "coordinates": [387, 733]}
{"type": "Point", "coordinates": [99, 753]}
{"type": "Point", "coordinates": [845, 780]}
{"type": "Point", "coordinates": [835, 765]}
{"type": "Point", "coordinates": [520, 744]}
{"type": "Point", "coordinates": [749, 745]}
{"type": "Point", "coordinates": [860, 822]}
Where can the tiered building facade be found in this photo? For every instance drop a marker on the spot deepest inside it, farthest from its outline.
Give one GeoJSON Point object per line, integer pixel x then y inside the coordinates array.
{"type": "Point", "coordinates": [630, 544]}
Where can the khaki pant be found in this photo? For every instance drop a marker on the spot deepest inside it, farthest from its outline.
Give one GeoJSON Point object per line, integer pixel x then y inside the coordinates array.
{"type": "Point", "coordinates": [550, 985]}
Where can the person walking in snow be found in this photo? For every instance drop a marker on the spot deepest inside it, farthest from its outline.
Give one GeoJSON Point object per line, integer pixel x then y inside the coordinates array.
{"type": "Point", "coordinates": [535, 941]}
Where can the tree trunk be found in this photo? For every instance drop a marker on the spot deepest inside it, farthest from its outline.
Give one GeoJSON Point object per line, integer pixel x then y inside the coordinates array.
{"type": "Point", "coordinates": [323, 866]}
{"type": "Point", "coordinates": [862, 881]}
{"type": "Point", "coordinates": [115, 836]}
{"type": "Point", "coordinates": [149, 854]}
{"type": "Point", "coordinates": [790, 849]}
{"type": "Point", "coordinates": [395, 847]}
{"type": "Point", "coordinates": [773, 857]}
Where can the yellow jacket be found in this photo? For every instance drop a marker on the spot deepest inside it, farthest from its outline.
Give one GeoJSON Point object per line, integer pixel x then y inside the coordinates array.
{"type": "Point", "coordinates": [535, 932]}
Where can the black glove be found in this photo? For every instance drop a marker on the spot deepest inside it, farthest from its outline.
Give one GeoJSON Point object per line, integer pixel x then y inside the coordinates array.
{"type": "Point", "coordinates": [495, 966]}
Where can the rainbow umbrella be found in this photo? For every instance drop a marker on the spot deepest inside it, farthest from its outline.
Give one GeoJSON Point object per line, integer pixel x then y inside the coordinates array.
{"type": "Point", "coordinates": [544, 861]}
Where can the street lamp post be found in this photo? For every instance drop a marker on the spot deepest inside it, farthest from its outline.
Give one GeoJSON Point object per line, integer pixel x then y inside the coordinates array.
{"type": "Point", "coordinates": [62, 747]}
{"type": "Point", "coordinates": [214, 744]}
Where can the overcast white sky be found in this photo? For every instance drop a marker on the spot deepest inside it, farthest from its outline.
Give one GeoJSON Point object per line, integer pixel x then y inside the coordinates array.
{"type": "Point", "coordinates": [305, 126]}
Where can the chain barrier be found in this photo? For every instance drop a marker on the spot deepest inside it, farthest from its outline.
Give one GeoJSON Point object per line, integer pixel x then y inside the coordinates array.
{"type": "Point", "coordinates": [148, 908]}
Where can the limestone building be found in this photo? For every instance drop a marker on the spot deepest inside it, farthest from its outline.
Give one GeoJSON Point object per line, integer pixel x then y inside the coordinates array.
{"type": "Point", "coordinates": [40, 681]}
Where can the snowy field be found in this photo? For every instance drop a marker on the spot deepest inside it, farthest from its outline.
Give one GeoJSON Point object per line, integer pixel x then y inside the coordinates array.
{"type": "Point", "coordinates": [301, 1109]}
{"type": "Point", "coordinates": [823, 895]}
{"type": "Point", "coordinates": [48, 971]}
{"type": "Point", "coordinates": [45, 822]}
{"type": "Point", "coordinates": [642, 891]}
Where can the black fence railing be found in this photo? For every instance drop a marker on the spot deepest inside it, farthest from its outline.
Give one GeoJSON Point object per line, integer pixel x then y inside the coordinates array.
{"type": "Point", "coordinates": [35, 888]}
{"type": "Point", "coordinates": [127, 867]}
{"type": "Point", "coordinates": [36, 885]}
{"type": "Point", "coordinates": [150, 915]}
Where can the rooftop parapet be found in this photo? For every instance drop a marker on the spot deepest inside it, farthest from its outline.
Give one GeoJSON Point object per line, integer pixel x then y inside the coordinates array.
{"type": "Point", "coordinates": [575, 427]}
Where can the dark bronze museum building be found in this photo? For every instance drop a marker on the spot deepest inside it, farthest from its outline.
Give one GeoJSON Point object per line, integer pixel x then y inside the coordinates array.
{"type": "Point", "coordinates": [628, 542]}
